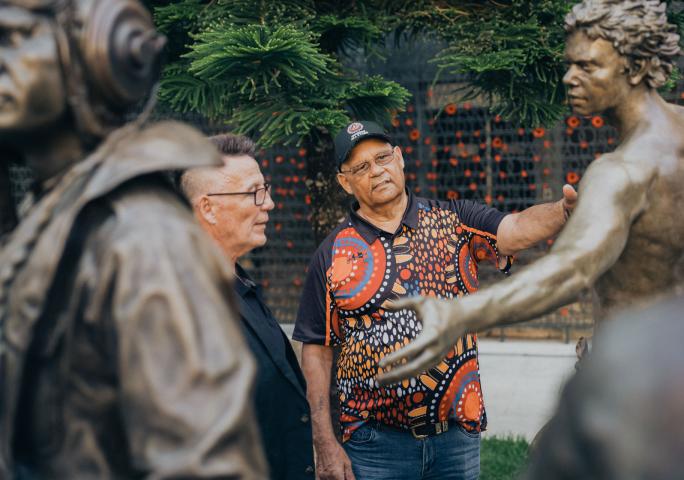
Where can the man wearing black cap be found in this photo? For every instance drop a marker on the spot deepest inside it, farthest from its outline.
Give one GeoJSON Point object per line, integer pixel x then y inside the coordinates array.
{"type": "Point", "coordinates": [394, 245]}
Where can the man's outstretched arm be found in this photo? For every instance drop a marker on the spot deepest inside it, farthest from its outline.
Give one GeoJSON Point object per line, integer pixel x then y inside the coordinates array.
{"type": "Point", "coordinates": [525, 229]}
{"type": "Point", "coordinates": [611, 196]}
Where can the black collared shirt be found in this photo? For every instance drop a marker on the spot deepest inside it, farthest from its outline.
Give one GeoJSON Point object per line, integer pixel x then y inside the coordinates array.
{"type": "Point", "coordinates": [358, 267]}
{"type": "Point", "coordinates": [252, 294]}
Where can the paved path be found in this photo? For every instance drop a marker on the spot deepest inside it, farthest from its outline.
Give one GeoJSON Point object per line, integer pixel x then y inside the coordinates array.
{"type": "Point", "coordinates": [521, 382]}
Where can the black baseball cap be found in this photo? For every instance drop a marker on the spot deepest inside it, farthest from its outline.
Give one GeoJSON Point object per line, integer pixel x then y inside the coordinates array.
{"type": "Point", "coordinates": [352, 134]}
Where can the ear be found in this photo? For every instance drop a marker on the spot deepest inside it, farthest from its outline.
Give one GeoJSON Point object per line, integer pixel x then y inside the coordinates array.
{"type": "Point", "coordinates": [205, 210]}
{"type": "Point", "coordinates": [398, 152]}
{"type": "Point", "coordinates": [344, 183]}
{"type": "Point", "coordinates": [637, 72]}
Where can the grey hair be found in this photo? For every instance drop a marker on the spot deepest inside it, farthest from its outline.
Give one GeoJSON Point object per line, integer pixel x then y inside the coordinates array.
{"type": "Point", "coordinates": [637, 29]}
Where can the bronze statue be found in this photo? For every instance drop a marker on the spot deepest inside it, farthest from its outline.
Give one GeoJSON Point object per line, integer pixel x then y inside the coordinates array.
{"type": "Point", "coordinates": [120, 355]}
{"type": "Point", "coordinates": [626, 235]}
{"type": "Point", "coordinates": [622, 417]}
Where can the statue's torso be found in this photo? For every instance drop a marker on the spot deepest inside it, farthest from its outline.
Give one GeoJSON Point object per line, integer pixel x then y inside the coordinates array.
{"type": "Point", "coordinates": [651, 265]}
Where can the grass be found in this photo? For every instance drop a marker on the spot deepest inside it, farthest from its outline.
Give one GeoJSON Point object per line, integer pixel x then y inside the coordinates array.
{"type": "Point", "coordinates": [502, 458]}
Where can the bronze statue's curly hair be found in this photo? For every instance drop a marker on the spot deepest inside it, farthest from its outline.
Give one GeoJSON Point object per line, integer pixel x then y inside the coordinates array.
{"type": "Point", "coordinates": [638, 29]}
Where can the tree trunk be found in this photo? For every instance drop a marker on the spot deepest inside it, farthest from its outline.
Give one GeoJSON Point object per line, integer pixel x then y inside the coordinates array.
{"type": "Point", "coordinates": [329, 203]}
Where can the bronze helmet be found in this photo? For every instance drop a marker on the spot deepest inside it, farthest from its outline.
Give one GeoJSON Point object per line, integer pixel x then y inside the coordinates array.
{"type": "Point", "coordinates": [110, 54]}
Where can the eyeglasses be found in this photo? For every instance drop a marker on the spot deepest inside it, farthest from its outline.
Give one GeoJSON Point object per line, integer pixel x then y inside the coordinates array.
{"type": "Point", "coordinates": [363, 168]}
{"type": "Point", "coordinates": [259, 194]}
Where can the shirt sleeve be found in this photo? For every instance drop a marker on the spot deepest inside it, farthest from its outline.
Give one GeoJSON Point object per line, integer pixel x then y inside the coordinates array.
{"type": "Point", "coordinates": [478, 216]}
{"type": "Point", "coordinates": [483, 222]}
{"type": "Point", "coordinates": [185, 373]}
{"type": "Point", "coordinates": [317, 320]}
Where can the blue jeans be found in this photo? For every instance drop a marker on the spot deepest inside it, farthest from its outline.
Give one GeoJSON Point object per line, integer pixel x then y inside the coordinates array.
{"type": "Point", "coordinates": [378, 452]}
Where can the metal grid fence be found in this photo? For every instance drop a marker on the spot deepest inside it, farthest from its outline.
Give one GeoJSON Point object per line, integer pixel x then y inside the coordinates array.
{"type": "Point", "coordinates": [453, 149]}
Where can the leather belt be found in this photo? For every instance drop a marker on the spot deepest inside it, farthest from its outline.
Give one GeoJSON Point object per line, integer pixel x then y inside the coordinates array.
{"type": "Point", "coordinates": [429, 429]}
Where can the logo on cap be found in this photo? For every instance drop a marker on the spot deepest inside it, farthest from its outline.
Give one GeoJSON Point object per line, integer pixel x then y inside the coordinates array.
{"type": "Point", "coordinates": [354, 127]}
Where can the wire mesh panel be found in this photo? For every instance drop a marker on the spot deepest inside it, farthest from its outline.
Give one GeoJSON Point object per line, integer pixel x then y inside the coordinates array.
{"type": "Point", "coordinates": [453, 149]}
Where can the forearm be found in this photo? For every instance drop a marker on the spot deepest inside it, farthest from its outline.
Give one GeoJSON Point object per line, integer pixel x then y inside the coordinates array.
{"type": "Point", "coordinates": [316, 366]}
{"type": "Point", "coordinates": [523, 230]}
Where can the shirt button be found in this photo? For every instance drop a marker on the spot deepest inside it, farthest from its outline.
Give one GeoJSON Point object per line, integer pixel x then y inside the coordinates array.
{"type": "Point", "coordinates": [309, 470]}
{"type": "Point", "coordinates": [304, 418]}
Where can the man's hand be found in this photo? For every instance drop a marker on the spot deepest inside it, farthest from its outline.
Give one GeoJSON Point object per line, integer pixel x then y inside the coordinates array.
{"type": "Point", "coordinates": [442, 327]}
{"type": "Point", "coordinates": [332, 462]}
{"type": "Point", "coordinates": [569, 200]}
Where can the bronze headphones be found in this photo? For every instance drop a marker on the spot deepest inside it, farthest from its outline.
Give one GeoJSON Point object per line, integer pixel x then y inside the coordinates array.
{"type": "Point", "coordinates": [110, 54]}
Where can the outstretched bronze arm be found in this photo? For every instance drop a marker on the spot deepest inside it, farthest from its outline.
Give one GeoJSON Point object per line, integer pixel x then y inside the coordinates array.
{"type": "Point", "coordinates": [611, 196]}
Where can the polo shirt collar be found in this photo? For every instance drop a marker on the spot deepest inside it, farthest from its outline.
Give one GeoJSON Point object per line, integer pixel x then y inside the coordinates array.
{"type": "Point", "coordinates": [370, 232]}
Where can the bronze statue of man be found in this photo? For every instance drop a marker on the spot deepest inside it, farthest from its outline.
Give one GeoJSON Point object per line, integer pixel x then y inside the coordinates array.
{"type": "Point", "coordinates": [626, 235]}
{"type": "Point", "coordinates": [120, 356]}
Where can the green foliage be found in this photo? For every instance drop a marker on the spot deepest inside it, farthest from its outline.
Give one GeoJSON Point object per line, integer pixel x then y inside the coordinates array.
{"type": "Point", "coordinates": [502, 458]}
{"type": "Point", "coordinates": [273, 70]}
{"type": "Point", "coordinates": [513, 56]}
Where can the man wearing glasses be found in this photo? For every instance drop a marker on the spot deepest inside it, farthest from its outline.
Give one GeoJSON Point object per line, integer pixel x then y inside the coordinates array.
{"type": "Point", "coordinates": [395, 245]}
{"type": "Point", "coordinates": [232, 204]}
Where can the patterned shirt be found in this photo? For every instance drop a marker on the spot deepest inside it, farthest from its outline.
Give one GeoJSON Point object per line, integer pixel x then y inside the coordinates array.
{"type": "Point", "coordinates": [358, 269]}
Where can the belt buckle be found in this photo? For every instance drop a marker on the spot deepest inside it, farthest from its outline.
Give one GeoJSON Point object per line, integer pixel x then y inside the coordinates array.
{"type": "Point", "coordinates": [440, 427]}
{"type": "Point", "coordinates": [416, 435]}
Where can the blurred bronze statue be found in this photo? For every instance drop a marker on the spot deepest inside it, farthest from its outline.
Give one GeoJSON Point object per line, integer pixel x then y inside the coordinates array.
{"type": "Point", "coordinates": [622, 417]}
{"type": "Point", "coordinates": [626, 235]}
{"type": "Point", "coordinates": [120, 355]}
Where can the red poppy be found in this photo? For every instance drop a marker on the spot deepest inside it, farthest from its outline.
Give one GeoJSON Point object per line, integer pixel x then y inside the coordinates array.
{"type": "Point", "coordinates": [414, 134]}
{"type": "Point", "coordinates": [538, 132]}
{"type": "Point", "coordinates": [573, 122]}
{"type": "Point", "coordinates": [597, 122]}
{"type": "Point", "coordinates": [497, 142]}
{"type": "Point", "coordinates": [473, 186]}
{"type": "Point", "coordinates": [572, 178]}
{"type": "Point", "coordinates": [302, 152]}
{"type": "Point", "coordinates": [453, 162]}
{"type": "Point", "coordinates": [450, 109]}
{"type": "Point", "coordinates": [452, 194]}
